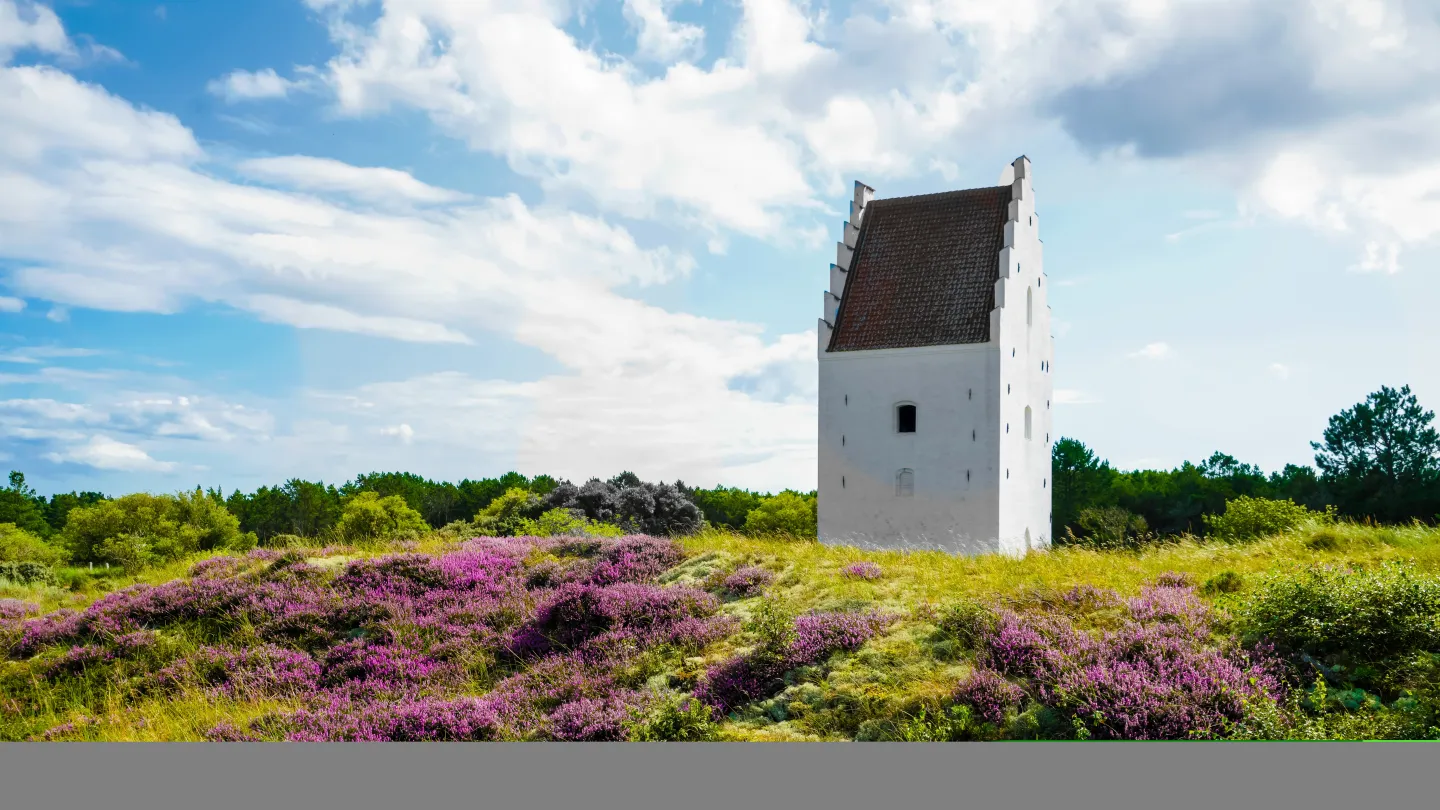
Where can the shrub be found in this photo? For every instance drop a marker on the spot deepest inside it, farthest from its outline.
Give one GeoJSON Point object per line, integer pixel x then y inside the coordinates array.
{"type": "Point", "coordinates": [565, 522]}
{"type": "Point", "coordinates": [18, 545]}
{"type": "Point", "coordinates": [785, 515]}
{"type": "Point", "coordinates": [1109, 527]}
{"type": "Point", "coordinates": [989, 695]}
{"type": "Point", "coordinates": [27, 573]}
{"type": "Point", "coordinates": [862, 570]}
{"type": "Point", "coordinates": [672, 717]}
{"type": "Point", "coordinates": [1223, 582]}
{"type": "Point", "coordinates": [968, 622]}
{"type": "Point", "coordinates": [1339, 613]}
{"type": "Point", "coordinates": [748, 580]}
{"type": "Point", "coordinates": [1247, 518]}
{"type": "Point", "coordinates": [635, 506]}
{"type": "Point", "coordinates": [151, 527]}
{"type": "Point", "coordinates": [368, 517]}
{"type": "Point", "coordinates": [502, 517]}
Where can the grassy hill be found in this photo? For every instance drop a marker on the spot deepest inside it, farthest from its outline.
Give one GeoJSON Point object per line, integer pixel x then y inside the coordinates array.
{"type": "Point", "coordinates": [1327, 632]}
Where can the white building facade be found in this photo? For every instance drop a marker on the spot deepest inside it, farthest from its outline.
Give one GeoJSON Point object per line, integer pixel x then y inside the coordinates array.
{"type": "Point", "coordinates": [935, 377]}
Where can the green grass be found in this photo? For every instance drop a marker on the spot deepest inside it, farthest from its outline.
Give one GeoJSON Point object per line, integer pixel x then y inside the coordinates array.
{"type": "Point", "coordinates": [894, 687]}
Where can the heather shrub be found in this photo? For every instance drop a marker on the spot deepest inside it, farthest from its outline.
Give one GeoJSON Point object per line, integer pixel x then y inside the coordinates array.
{"type": "Point", "coordinates": [143, 529]}
{"type": "Point", "coordinates": [368, 518]}
{"type": "Point", "coordinates": [989, 695]}
{"type": "Point", "coordinates": [18, 545]}
{"type": "Point", "coordinates": [1247, 518]}
{"type": "Point", "coordinates": [1343, 614]}
{"type": "Point", "coordinates": [862, 570]}
{"type": "Point", "coordinates": [748, 580]}
{"type": "Point", "coordinates": [787, 514]}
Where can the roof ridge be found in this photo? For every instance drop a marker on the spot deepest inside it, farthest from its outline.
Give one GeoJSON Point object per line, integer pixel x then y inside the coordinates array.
{"type": "Point", "coordinates": [935, 195]}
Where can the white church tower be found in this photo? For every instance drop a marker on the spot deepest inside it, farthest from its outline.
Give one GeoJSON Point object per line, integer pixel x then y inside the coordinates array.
{"type": "Point", "coordinates": [935, 388]}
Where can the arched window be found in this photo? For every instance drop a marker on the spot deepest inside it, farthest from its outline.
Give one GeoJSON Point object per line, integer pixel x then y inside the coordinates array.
{"type": "Point", "coordinates": [905, 483]}
{"type": "Point", "coordinates": [905, 418]}
{"type": "Point", "coordinates": [1029, 306]}
{"type": "Point", "coordinates": [1027, 421]}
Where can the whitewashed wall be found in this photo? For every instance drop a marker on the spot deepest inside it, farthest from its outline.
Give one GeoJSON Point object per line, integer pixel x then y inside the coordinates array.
{"type": "Point", "coordinates": [980, 485]}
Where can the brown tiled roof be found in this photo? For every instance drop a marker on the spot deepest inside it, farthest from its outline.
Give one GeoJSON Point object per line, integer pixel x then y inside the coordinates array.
{"type": "Point", "coordinates": [924, 271]}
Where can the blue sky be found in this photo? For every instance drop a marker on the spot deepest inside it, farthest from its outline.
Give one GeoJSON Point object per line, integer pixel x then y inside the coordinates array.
{"type": "Point", "coordinates": [241, 242]}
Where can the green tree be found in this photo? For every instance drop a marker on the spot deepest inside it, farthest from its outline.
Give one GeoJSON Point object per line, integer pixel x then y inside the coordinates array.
{"type": "Point", "coordinates": [57, 511]}
{"type": "Point", "coordinates": [1082, 480]}
{"type": "Point", "coordinates": [725, 506]}
{"type": "Point", "coordinates": [1381, 458]}
{"type": "Point", "coordinates": [142, 528]}
{"type": "Point", "coordinates": [367, 517]}
{"type": "Point", "coordinates": [788, 514]}
{"type": "Point", "coordinates": [21, 506]}
{"type": "Point", "coordinates": [505, 515]}
{"type": "Point", "coordinates": [18, 545]}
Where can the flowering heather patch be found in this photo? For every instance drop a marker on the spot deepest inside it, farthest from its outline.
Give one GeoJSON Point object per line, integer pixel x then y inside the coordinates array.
{"type": "Point", "coordinates": [862, 570]}
{"type": "Point", "coordinates": [577, 611]}
{"type": "Point", "coordinates": [742, 679]}
{"type": "Point", "coordinates": [748, 580]}
{"type": "Point", "coordinates": [632, 558]}
{"type": "Point", "coordinates": [589, 719]}
{"type": "Point", "coordinates": [1157, 677]}
{"type": "Point", "coordinates": [225, 731]}
{"type": "Point", "coordinates": [262, 671]}
{"type": "Point", "coordinates": [11, 609]}
{"type": "Point", "coordinates": [989, 694]}
{"type": "Point", "coordinates": [217, 567]}
{"type": "Point", "coordinates": [416, 720]}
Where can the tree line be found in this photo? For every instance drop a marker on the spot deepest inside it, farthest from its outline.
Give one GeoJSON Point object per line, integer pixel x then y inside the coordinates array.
{"type": "Point", "coordinates": [1377, 461]}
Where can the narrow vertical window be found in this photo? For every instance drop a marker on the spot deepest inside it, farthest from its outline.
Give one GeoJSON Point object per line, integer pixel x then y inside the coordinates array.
{"type": "Point", "coordinates": [905, 483]}
{"type": "Point", "coordinates": [972, 435]}
{"type": "Point", "coordinates": [1027, 421]}
{"type": "Point", "coordinates": [905, 419]}
{"type": "Point", "coordinates": [842, 439]}
{"type": "Point", "coordinates": [1029, 306]}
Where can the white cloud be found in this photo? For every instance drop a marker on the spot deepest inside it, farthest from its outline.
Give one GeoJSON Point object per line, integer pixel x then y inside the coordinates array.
{"type": "Point", "coordinates": [402, 431]}
{"type": "Point", "coordinates": [39, 354]}
{"type": "Point", "coordinates": [104, 453]}
{"type": "Point", "coordinates": [659, 37]}
{"type": "Point", "coordinates": [1280, 370]}
{"type": "Point", "coordinates": [58, 314]}
{"type": "Point", "coordinates": [30, 25]}
{"type": "Point", "coordinates": [1154, 351]}
{"type": "Point", "coordinates": [8, 304]}
{"type": "Point", "coordinates": [243, 85]}
{"type": "Point", "coordinates": [323, 174]}
{"type": "Point", "coordinates": [1069, 396]}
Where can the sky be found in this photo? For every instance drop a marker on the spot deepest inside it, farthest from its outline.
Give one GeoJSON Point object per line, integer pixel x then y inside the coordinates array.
{"type": "Point", "coordinates": [245, 242]}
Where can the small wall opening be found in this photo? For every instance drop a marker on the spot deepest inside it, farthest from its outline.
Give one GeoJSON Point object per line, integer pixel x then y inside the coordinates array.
{"type": "Point", "coordinates": [1029, 306]}
{"type": "Point", "coordinates": [1027, 421]}
{"type": "Point", "coordinates": [905, 418]}
{"type": "Point", "coordinates": [905, 483]}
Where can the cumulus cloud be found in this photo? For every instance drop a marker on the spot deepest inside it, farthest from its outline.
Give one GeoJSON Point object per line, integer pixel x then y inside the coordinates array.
{"type": "Point", "coordinates": [244, 85]}
{"type": "Point", "coordinates": [105, 453]}
{"type": "Point", "coordinates": [8, 304]}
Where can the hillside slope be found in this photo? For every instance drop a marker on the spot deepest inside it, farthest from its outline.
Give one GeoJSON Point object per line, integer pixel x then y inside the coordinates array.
{"type": "Point", "coordinates": [718, 636]}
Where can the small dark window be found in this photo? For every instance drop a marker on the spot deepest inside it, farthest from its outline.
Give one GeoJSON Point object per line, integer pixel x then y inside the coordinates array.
{"type": "Point", "coordinates": [970, 393]}
{"type": "Point", "coordinates": [1007, 427]}
{"type": "Point", "coordinates": [1044, 482]}
{"type": "Point", "coordinates": [972, 435]}
{"type": "Point", "coordinates": [842, 440]}
{"type": "Point", "coordinates": [1032, 220]}
{"type": "Point", "coordinates": [1012, 352]}
{"type": "Point", "coordinates": [842, 482]}
{"type": "Point", "coordinates": [967, 475]}
{"type": "Point", "coordinates": [1007, 473]}
{"type": "Point", "coordinates": [1007, 388]}
{"type": "Point", "coordinates": [847, 399]}
{"type": "Point", "coordinates": [906, 418]}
